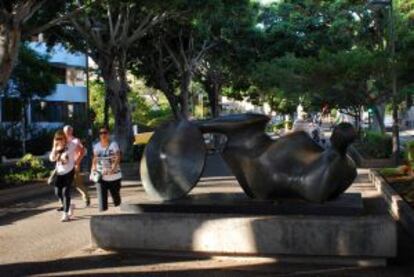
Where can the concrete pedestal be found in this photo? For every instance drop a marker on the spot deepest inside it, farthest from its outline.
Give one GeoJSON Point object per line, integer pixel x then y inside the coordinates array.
{"type": "Point", "coordinates": [360, 237]}
{"type": "Point", "coordinates": [348, 204]}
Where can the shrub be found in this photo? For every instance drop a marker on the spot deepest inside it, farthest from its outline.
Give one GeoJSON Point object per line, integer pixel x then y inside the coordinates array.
{"type": "Point", "coordinates": [27, 169]}
{"type": "Point", "coordinates": [376, 145]}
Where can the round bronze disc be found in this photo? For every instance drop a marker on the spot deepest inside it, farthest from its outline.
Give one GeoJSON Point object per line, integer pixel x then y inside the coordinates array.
{"type": "Point", "coordinates": [173, 160]}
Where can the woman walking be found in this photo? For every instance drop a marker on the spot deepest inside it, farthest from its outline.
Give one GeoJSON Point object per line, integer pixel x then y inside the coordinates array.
{"type": "Point", "coordinates": [63, 153]}
{"type": "Point", "coordinates": [106, 169]}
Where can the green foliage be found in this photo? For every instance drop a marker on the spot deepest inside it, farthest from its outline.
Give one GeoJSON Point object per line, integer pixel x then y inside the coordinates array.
{"type": "Point", "coordinates": [142, 112]}
{"type": "Point", "coordinates": [391, 171]}
{"type": "Point", "coordinates": [28, 169]}
{"type": "Point", "coordinates": [409, 152]}
{"type": "Point", "coordinates": [334, 52]}
{"type": "Point", "coordinates": [376, 145]}
{"type": "Point", "coordinates": [97, 103]}
{"type": "Point", "coordinates": [32, 76]}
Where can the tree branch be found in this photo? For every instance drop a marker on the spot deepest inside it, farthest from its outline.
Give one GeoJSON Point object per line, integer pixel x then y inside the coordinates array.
{"type": "Point", "coordinates": [139, 32]}
{"type": "Point", "coordinates": [182, 51]}
{"type": "Point", "coordinates": [54, 22]}
{"type": "Point", "coordinates": [172, 55]}
{"type": "Point", "coordinates": [89, 36]}
{"type": "Point", "coordinates": [33, 10]}
{"type": "Point", "coordinates": [147, 24]}
{"type": "Point", "coordinates": [204, 49]}
{"type": "Point", "coordinates": [110, 23]}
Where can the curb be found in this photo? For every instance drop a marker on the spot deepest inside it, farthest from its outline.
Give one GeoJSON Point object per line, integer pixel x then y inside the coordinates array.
{"type": "Point", "coordinates": [397, 207]}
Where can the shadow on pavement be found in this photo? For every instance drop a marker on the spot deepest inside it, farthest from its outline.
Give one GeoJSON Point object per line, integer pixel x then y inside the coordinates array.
{"type": "Point", "coordinates": [11, 217]}
{"type": "Point", "coordinates": [91, 262]}
{"type": "Point", "coordinates": [138, 264]}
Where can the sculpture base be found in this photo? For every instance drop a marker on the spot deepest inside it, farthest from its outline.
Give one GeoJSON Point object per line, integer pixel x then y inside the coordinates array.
{"type": "Point", "coordinates": [238, 203]}
{"type": "Point", "coordinates": [356, 239]}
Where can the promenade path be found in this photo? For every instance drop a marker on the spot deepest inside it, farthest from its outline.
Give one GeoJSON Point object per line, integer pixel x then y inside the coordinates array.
{"type": "Point", "coordinates": [34, 242]}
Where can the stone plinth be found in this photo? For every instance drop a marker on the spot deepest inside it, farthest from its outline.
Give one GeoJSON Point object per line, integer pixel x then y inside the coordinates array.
{"type": "Point", "coordinates": [348, 204]}
{"type": "Point", "coordinates": [191, 228]}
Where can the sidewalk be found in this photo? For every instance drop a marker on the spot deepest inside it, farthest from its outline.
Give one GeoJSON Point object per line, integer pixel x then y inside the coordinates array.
{"type": "Point", "coordinates": [23, 192]}
{"type": "Point", "coordinates": [34, 242]}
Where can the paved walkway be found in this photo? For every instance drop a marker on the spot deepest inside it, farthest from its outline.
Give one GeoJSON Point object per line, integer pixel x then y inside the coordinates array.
{"type": "Point", "coordinates": [34, 242]}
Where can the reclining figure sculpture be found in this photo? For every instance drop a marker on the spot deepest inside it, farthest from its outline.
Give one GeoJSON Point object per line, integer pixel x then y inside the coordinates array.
{"type": "Point", "coordinates": [293, 166]}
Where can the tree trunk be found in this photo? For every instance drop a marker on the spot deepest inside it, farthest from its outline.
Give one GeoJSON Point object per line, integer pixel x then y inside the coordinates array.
{"type": "Point", "coordinates": [106, 108]}
{"type": "Point", "coordinates": [9, 48]}
{"type": "Point", "coordinates": [213, 92]}
{"type": "Point", "coordinates": [172, 100]}
{"type": "Point", "coordinates": [185, 93]}
{"type": "Point", "coordinates": [395, 132]}
{"type": "Point", "coordinates": [23, 127]}
{"type": "Point", "coordinates": [116, 88]}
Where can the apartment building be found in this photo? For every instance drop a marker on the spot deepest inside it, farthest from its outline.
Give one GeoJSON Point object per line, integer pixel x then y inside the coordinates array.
{"type": "Point", "coordinates": [69, 98]}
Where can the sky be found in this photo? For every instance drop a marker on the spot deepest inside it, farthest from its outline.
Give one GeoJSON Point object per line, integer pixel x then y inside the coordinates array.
{"type": "Point", "coordinates": [265, 2]}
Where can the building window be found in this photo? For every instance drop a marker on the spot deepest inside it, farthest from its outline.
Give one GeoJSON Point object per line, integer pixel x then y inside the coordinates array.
{"type": "Point", "coordinates": [49, 111]}
{"type": "Point", "coordinates": [75, 77]}
{"type": "Point", "coordinates": [79, 109]}
{"type": "Point", "coordinates": [61, 73]}
{"type": "Point", "coordinates": [39, 111]}
{"type": "Point", "coordinates": [11, 109]}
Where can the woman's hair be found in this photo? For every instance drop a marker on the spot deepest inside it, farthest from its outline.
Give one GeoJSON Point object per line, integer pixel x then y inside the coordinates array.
{"type": "Point", "coordinates": [59, 134]}
{"type": "Point", "coordinates": [106, 127]}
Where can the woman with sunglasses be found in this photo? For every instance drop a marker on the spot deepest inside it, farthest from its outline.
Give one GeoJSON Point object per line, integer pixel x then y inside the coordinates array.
{"type": "Point", "coordinates": [105, 163]}
{"type": "Point", "coordinates": [63, 153]}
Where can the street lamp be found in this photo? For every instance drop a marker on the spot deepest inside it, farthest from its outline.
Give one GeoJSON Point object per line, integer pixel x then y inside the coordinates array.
{"type": "Point", "coordinates": [391, 45]}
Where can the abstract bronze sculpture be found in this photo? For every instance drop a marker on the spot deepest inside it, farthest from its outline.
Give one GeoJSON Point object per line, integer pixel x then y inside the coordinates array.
{"type": "Point", "coordinates": [292, 166]}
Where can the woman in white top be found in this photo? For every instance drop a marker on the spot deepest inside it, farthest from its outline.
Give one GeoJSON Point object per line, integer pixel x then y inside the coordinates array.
{"type": "Point", "coordinates": [63, 153]}
{"type": "Point", "coordinates": [106, 160]}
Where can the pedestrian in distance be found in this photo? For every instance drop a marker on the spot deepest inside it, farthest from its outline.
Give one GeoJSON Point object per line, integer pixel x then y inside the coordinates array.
{"type": "Point", "coordinates": [106, 170]}
{"type": "Point", "coordinates": [80, 154]}
{"type": "Point", "coordinates": [63, 154]}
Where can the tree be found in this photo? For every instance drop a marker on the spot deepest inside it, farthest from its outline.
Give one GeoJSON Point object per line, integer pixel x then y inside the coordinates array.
{"type": "Point", "coordinates": [33, 76]}
{"type": "Point", "coordinates": [331, 51]}
{"type": "Point", "coordinates": [109, 30]}
{"type": "Point", "coordinates": [227, 64]}
{"type": "Point", "coordinates": [19, 20]}
{"type": "Point", "coordinates": [177, 50]}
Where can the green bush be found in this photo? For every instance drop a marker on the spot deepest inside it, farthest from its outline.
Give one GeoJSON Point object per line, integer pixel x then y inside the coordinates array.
{"type": "Point", "coordinates": [376, 145]}
{"type": "Point", "coordinates": [27, 169]}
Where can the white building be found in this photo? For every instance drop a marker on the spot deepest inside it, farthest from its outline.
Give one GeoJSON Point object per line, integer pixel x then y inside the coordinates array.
{"type": "Point", "coordinates": [68, 99]}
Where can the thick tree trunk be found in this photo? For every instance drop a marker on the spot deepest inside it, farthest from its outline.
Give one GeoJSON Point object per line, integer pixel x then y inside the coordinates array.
{"type": "Point", "coordinates": [10, 39]}
{"type": "Point", "coordinates": [185, 93]}
{"type": "Point", "coordinates": [213, 92]}
{"type": "Point", "coordinates": [172, 100]}
{"type": "Point", "coordinates": [117, 90]}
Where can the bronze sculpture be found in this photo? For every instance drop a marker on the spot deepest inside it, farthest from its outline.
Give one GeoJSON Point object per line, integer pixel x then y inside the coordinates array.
{"type": "Point", "coordinates": [291, 166]}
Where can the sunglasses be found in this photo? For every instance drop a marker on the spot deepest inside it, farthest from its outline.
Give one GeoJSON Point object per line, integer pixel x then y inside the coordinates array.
{"type": "Point", "coordinates": [103, 133]}
{"type": "Point", "coordinates": [58, 138]}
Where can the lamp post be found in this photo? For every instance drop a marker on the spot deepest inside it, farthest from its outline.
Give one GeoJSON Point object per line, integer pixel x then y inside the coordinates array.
{"type": "Point", "coordinates": [391, 46]}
